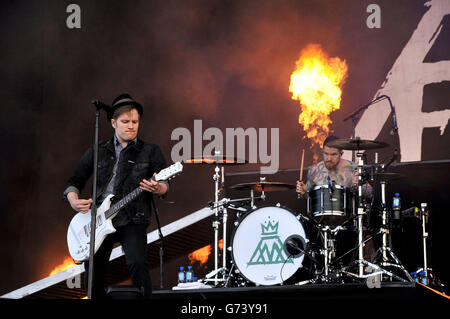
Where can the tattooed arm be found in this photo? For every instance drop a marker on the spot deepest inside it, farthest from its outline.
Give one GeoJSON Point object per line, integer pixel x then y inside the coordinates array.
{"type": "Point", "coordinates": [302, 188]}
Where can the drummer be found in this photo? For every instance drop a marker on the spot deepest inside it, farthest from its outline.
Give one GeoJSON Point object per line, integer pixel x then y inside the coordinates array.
{"type": "Point", "coordinates": [333, 169]}
{"type": "Point", "coordinates": [343, 173]}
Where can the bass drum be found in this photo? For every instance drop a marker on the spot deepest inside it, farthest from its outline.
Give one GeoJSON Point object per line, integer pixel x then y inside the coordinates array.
{"type": "Point", "coordinates": [258, 245]}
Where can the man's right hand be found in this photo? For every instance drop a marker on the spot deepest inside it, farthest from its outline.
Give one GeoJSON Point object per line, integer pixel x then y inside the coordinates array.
{"type": "Point", "coordinates": [301, 187]}
{"type": "Point", "coordinates": [79, 205]}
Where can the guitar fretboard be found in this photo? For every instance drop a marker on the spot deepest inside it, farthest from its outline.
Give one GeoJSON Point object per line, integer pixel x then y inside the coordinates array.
{"type": "Point", "coordinates": [114, 209]}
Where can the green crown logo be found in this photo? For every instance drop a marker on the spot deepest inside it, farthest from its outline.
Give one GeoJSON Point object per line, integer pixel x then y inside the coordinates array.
{"type": "Point", "coordinates": [270, 229]}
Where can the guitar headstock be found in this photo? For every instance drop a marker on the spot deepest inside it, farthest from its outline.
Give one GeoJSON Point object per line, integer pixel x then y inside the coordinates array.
{"type": "Point", "coordinates": [169, 172]}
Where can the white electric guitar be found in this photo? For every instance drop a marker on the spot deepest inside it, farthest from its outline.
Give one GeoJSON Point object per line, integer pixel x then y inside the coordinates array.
{"type": "Point", "coordinates": [79, 232]}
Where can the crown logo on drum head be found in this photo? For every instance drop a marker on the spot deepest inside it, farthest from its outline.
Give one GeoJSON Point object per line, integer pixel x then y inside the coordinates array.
{"type": "Point", "coordinates": [270, 247]}
{"type": "Point", "coordinates": [270, 229]}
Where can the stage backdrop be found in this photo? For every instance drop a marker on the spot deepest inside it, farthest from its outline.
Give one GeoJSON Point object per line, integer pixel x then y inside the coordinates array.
{"type": "Point", "coordinates": [227, 64]}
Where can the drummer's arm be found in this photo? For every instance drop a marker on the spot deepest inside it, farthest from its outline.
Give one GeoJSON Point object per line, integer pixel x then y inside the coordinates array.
{"type": "Point", "coordinates": [302, 188]}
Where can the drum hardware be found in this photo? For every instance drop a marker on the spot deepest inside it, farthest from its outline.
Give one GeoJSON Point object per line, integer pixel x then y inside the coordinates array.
{"type": "Point", "coordinates": [328, 273]}
{"type": "Point", "coordinates": [375, 269]}
{"type": "Point", "coordinates": [354, 117]}
{"type": "Point", "coordinates": [357, 144]}
{"type": "Point", "coordinates": [388, 258]}
{"type": "Point", "coordinates": [216, 222]}
{"type": "Point", "coordinates": [325, 201]}
{"type": "Point", "coordinates": [217, 159]}
{"type": "Point", "coordinates": [384, 251]}
{"type": "Point", "coordinates": [424, 274]}
{"type": "Point", "coordinates": [328, 251]}
{"type": "Point", "coordinates": [361, 212]}
{"type": "Point", "coordinates": [424, 217]}
{"type": "Point", "coordinates": [262, 186]}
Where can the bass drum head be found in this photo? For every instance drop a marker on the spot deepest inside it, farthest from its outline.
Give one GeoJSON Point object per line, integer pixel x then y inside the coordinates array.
{"type": "Point", "coordinates": [258, 245]}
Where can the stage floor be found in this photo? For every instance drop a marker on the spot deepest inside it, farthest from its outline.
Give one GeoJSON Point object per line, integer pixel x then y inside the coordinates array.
{"type": "Point", "coordinates": [387, 290]}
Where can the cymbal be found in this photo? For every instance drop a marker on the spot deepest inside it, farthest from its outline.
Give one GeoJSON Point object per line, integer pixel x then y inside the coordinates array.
{"type": "Point", "coordinates": [356, 144]}
{"type": "Point", "coordinates": [216, 159]}
{"type": "Point", "coordinates": [264, 186]}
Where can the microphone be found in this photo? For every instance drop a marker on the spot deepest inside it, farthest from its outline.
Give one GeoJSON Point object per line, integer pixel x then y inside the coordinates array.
{"type": "Point", "coordinates": [331, 186]}
{"type": "Point", "coordinates": [294, 246]}
{"type": "Point", "coordinates": [393, 158]}
{"type": "Point", "coordinates": [394, 121]}
{"type": "Point", "coordinates": [394, 116]}
{"type": "Point", "coordinates": [100, 105]}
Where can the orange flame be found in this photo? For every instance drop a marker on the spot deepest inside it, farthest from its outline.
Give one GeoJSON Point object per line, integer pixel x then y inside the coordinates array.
{"type": "Point", "coordinates": [67, 263]}
{"type": "Point", "coordinates": [316, 83]}
{"type": "Point", "coordinates": [202, 255]}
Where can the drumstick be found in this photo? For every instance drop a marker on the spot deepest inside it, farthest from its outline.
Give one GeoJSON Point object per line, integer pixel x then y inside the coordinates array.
{"type": "Point", "coordinates": [301, 169]}
{"type": "Point", "coordinates": [301, 165]}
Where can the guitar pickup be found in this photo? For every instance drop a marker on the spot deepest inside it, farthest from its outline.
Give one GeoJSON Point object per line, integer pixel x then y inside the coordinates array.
{"type": "Point", "coordinates": [87, 230]}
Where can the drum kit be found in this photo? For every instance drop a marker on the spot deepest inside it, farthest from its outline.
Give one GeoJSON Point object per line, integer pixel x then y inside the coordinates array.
{"type": "Point", "coordinates": [270, 245]}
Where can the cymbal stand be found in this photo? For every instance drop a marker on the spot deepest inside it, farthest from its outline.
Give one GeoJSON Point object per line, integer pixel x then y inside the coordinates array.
{"type": "Point", "coordinates": [359, 216]}
{"type": "Point", "coordinates": [385, 249]}
{"type": "Point", "coordinates": [361, 211]}
{"type": "Point", "coordinates": [224, 241]}
{"type": "Point", "coordinates": [424, 217]}
{"type": "Point", "coordinates": [219, 206]}
{"type": "Point", "coordinates": [424, 273]}
{"type": "Point", "coordinates": [216, 225]}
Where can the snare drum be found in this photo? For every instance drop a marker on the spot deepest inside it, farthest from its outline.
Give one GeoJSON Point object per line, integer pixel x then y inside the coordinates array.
{"type": "Point", "coordinates": [330, 208]}
{"type": "Point", "coordinates": [258, 245]}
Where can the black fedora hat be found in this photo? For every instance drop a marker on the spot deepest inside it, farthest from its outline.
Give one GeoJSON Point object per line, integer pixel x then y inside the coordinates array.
{"type": "Point", "coordinates": [124, 99]}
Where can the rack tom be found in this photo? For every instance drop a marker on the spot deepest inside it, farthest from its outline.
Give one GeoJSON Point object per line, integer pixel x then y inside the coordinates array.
{"type": "Point", "coordinates": [330, 207]}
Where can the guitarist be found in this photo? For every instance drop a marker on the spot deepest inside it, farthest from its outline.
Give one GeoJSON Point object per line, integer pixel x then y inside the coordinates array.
{"type": "Point", "coordinates": [124, 163]}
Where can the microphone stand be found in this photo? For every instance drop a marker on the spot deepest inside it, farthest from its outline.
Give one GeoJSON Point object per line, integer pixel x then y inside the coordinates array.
{"type": "Point", "coordinates": [354, 115]}
{"type": "Point", "coordinates": [94, 204]}
{"type": "Point", "coordinates": [161, 245]}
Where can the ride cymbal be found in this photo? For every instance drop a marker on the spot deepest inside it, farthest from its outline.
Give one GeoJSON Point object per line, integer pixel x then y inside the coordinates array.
{"type": "Point", "coordinates": [356, 144]}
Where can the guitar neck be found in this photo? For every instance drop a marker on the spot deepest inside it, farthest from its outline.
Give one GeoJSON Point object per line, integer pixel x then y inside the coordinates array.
{"type": "Point", "coordinates": [114, 209]}
{"type": "Point", "coordinates": [165, 174]}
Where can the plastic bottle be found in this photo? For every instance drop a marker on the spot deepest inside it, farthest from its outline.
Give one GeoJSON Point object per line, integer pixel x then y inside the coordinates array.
{"type": "Point", "coordinates": [396, 206]}
{"type": "Point", "coordinates": [423, 278]}
{"type": "Point", "coordinates": [181, 275]}
{"type": "Point", "coordinates": [190, 274]}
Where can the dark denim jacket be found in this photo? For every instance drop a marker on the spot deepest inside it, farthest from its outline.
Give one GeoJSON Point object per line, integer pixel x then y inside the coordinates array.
{"type": "Point", "coordinates": [137, 161]}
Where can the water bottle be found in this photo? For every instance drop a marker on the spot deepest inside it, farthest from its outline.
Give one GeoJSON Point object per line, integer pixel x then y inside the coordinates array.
{"type": "Point", "coordinates": [190, 274]}
{"type": "Point", "coordinates": [181, 275]}
{"type": "Point", "coordinates": [423, 278]}
{"type": "Point", "coordinates": [414, 276]}
{"type": "Point", "coordinates": [396, 206]}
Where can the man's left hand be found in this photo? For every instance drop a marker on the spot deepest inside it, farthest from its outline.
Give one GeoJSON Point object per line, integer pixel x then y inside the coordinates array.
{"type": "Point", "coordinates": [151, 186]}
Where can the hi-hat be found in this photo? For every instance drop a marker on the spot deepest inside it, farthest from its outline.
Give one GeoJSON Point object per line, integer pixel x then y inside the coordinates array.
{"type": "Point", "coordinates": [216, 159]}
{"type": "Point", "coordinates": [356, 144]}
{"type": "Point", "coordinates": [264, 186]}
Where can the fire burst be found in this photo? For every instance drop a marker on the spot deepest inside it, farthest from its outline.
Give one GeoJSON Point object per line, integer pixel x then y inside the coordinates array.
{"type": "Point", "coordinates": [66, 264]}
{"type": "Point", "coordinates": [202, 255]}
{"type": "Point", "coordinates": [316, 83]}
